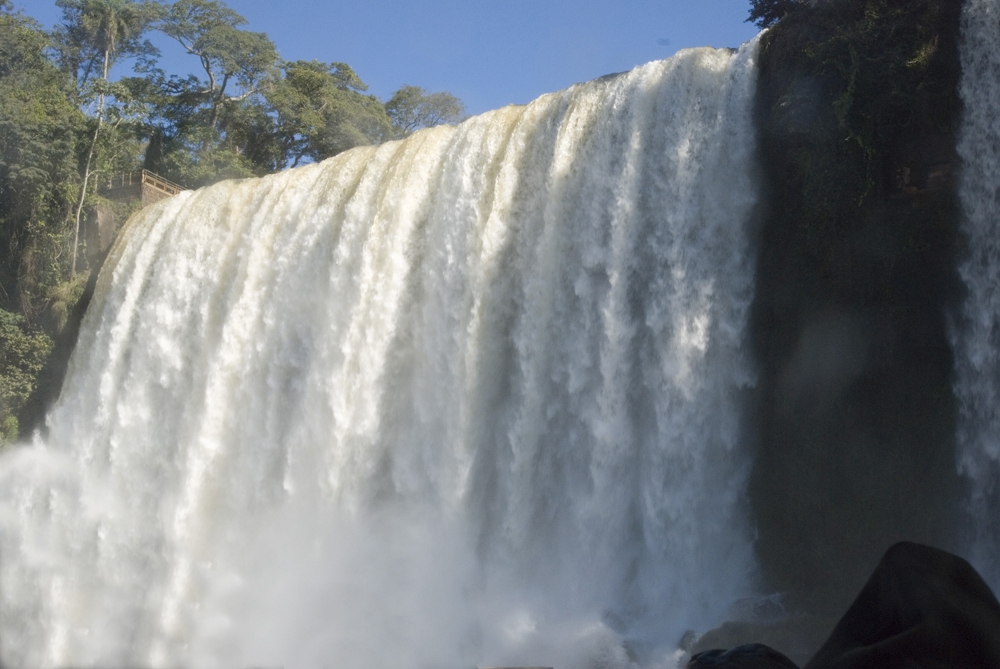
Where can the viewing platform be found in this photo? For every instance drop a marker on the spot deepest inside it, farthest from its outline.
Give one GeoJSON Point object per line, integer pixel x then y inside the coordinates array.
{"type": "Point", "coordinates": [140, 185]}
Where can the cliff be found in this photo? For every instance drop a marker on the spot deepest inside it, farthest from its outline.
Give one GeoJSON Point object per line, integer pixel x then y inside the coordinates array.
{"type": "Point", "coordinates": [855, 417]}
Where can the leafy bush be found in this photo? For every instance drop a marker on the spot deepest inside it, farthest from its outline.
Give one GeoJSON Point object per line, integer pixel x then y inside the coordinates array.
{"type": "Point", "coordinates": [22, 355]}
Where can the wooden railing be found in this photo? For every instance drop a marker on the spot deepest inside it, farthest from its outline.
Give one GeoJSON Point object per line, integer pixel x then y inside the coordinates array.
{"type": "Point", "coordinates": [143, 178]}
{"type": "Point", "coordinates": [159, 183]}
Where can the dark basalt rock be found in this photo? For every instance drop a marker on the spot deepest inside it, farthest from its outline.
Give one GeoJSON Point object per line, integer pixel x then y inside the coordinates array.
{"type": "Point", "coordinates": [797, 636]}
{"type": "Point", "coordinates": [922, 608]}
{"type": "Point", "coordinates": [747, 656]}
{"type": "Point", "coordinates": [854, 417]}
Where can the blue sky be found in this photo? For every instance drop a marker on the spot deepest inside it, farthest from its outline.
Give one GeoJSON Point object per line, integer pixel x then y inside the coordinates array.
{"type": "Point", "coordinates": [487, 52]}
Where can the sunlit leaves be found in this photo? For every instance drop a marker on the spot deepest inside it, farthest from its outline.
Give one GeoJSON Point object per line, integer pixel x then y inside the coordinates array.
{"type": "Point", "coordinates": [412, 108]}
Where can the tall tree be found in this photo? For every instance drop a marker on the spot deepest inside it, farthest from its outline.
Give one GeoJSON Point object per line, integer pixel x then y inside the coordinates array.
{"type": "Point", "coordinates": [412, 108]}
{"type": "Point", "coordinates": [321, 110]}
{"type": "Point", "coordinates": [230, 57]}
{"type": "Point", "coordinates": [100, 32]}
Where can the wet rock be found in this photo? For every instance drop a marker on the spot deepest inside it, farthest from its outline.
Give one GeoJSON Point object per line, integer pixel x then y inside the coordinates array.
{"type": "Point", "coordinates": [747, 656]}
{"type": "Point", "coordinates": [797, 637]}
{"type": "Point", "coordinates": [922, 607]}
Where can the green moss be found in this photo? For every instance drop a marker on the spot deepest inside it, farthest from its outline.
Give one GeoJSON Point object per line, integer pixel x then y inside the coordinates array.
{"type": "Point", "coordinates": [62, 298]}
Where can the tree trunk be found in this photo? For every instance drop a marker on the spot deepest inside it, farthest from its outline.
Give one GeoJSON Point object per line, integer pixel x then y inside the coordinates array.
{"type": "Point", "coordinates": [218, 97]}
{"type": "Point", "coordinates": [86, 171]}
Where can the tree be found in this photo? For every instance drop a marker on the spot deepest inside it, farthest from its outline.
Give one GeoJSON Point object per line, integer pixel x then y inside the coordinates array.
{"type": "Point", "coordinates": [39, 127]}
{"type": "Point", "coordinates": [321, 110]}
{"type": "Point", "coordinates": [412, 108]}
{"type": "Point", "coordinates": [97, 33]}
{"type": "Point", "coordinates": [766, 13]}
{"type": "Point", "coordinates": [229, 56]}
{"type": "Point", "coordinates": [214, 126]}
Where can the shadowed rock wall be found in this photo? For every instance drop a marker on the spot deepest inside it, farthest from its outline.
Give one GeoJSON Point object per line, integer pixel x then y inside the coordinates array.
{"type": "Point", "coordinates": [858, 110]}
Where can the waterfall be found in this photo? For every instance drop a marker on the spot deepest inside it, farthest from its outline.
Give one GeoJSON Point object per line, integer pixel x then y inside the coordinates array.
{"type": "Point", "coordinates": [470, 398]}
{"type": "Point", "coordinates": [976, 335]}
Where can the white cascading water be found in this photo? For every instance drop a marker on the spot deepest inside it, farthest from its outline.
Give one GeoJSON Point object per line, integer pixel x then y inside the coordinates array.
{"type": "Point", "coordinates": [976, 335]}
{"type": "Point", "coordinates": [472, 398]}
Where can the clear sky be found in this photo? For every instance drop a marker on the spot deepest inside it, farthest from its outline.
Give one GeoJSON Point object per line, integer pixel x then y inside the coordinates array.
{"type": "Point", "coordinates": [487, 52]}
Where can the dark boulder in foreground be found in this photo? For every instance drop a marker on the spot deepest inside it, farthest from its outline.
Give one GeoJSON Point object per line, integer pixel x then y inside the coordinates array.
{"type": "Point", "coordinates": [922, 608]}
{"type": "Point", "coordinates": [796, 635]}
{"type": "Point", "coordinates": [747, 656]}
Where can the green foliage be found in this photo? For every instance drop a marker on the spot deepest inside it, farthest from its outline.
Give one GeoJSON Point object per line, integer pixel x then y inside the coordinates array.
{"type": "Point", "coordinates": [229, 56]}
{"type": "Point", "coordinates": [61, 299]}
{"type": "Point", "coordinates": [39, 130]}
{"type": "Point", "coordinates": [251, 114]}
{"type": "Point", "coordinates": [94, 34]}
{"type": "Point", "coordinates": [22, 356]}
{"type": "Point", "coordinates": [412, 108]}
{"type": "Point", "coordinates": [9, 429]}
{"type": "Point", "coordinates": [765, 13]}
{"type": "Point", "coordinates": [216, 127]}
{"type": "Point", "coordinates": [196, 167]}
{"type": "Point", "coordinates": [321, 111]}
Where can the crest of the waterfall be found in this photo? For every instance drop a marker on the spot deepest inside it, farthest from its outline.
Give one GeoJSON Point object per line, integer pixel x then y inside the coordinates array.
{"type": "Point", "coordinates": [469, 398]}
{"type": "Point", "coordinates": [976, 333]}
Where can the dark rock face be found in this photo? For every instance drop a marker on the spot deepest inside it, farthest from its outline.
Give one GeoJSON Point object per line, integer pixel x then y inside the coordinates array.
{"type": "Point", "coordinates": [99, 230]}
{"type": "Point", "coordinates": [857, 110]}
{"type": "Point", "coordinates": [922, 607]}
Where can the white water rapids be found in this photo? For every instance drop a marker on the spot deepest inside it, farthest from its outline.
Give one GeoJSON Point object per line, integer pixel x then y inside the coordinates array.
{"type": "Point", "coordinates": [976, 337]}
{"type": "Point", "coordinates": [472, 398]}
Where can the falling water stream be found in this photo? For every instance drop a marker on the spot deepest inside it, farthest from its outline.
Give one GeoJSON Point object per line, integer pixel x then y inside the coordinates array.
{"type": "Point", "coordinates": [465, 399]}
{"type": "Point", "coordinates": [472, 398]}
{"type": "Point", "coordinates": [976, 335]}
